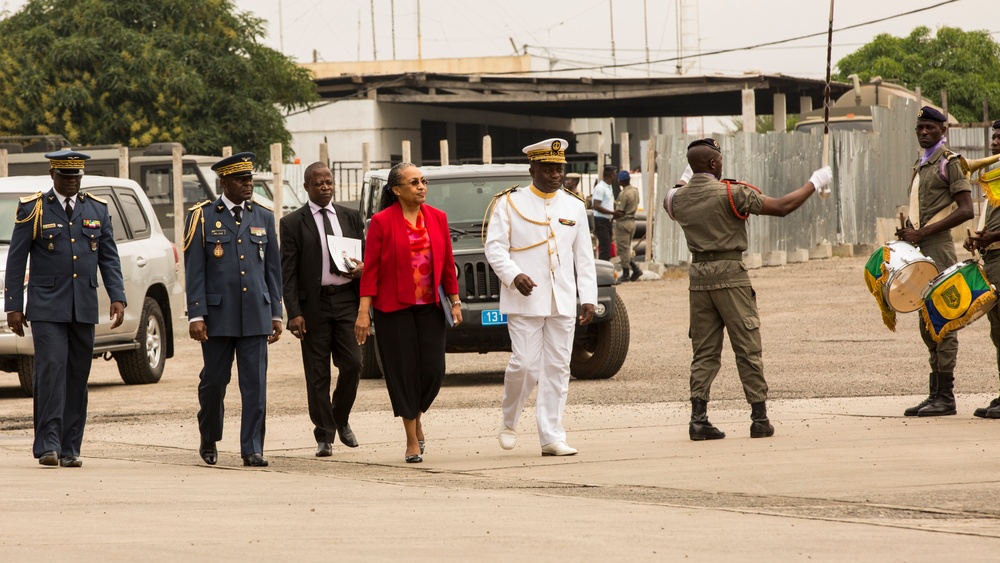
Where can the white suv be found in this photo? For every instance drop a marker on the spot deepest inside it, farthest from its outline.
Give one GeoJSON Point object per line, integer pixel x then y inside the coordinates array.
{"type": "Point", "coordinates": [149, 261]}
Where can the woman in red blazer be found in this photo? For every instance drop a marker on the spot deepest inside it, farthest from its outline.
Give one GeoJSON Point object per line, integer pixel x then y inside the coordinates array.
{"type": "Point", "coordinates": [408, 257]}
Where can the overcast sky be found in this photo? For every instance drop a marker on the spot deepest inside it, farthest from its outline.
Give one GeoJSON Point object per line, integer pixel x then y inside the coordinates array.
{"type": "Point", "coordinates": [579, 33]}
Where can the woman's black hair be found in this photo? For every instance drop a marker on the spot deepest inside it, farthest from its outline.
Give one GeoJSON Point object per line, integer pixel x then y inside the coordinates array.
{"type": "Point", "coordinates": [395, 174]}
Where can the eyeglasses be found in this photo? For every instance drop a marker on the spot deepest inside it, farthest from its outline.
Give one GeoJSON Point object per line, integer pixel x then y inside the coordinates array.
{"type": "Point", "coordinates": [415, 182]}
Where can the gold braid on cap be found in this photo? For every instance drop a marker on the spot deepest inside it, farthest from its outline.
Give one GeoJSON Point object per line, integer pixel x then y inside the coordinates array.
{"type": "Point", "coordinates": [245, 166]}
{"type": "Point", "coordinates": [35, 215]}
{"type": "Point", "coordinates": [66, 163]}
{"type": "Point", "coordinates": [197, 219]}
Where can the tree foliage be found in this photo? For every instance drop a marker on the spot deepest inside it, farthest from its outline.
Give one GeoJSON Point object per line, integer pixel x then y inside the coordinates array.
{"type": "Point", "coordinates": [964, 63]}
{"type": "Point", "coordinates": [135, 72]}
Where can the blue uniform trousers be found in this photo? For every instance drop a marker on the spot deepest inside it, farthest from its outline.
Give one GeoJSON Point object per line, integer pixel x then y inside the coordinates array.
{"type": "Point", "coordinates": [63, 354]}
{"type": "Point", "coordinates": [251, 364]}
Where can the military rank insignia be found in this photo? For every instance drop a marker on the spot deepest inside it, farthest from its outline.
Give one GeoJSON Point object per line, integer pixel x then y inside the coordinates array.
{"type": "Point", "coordinates": [91, 224]}
{"type": "Point", "coordinates": [567, 222]}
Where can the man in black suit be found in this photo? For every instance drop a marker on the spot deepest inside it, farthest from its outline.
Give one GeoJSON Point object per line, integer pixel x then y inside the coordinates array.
{"type": "Point", "coordinates": [322, 305]}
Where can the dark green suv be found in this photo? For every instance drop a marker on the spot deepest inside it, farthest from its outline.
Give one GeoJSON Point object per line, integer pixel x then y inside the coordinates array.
{"type": "Point", "coordinates": [463, 193]}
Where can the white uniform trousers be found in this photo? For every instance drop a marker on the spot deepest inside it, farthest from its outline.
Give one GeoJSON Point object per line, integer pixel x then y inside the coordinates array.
{"type": "Point", "coordinates": [540, 354]}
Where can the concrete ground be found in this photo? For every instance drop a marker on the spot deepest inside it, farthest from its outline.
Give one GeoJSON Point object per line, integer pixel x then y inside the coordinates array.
{"type": "Point", "coordinates": [843, 479]}
{"type": "Point", "coordinates": [846, 477]}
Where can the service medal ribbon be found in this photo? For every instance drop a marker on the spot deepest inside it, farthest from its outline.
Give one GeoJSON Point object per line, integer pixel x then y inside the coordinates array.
{"type": "Point", "coordinates": [567, 222]}
{"type": "Point", "coordinates": [258, 231]}
{"type": "Point", "coordinates": [91, 224]}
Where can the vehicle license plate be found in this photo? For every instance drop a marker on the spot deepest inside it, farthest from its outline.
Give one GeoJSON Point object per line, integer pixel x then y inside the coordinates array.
{"type": "Point", "coordinates": [493, 317]}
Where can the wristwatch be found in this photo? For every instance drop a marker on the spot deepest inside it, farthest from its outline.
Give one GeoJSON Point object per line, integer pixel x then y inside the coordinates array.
{"type": "Point", "coordinates": [456, 303]}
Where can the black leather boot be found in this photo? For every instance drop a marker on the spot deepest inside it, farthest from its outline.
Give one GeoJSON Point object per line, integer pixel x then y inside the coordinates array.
{"type": "Point", "coordinates": [944, 403]}
{"type": "Point", "coordinates": [761, 427]}
{"type": "Point", "coordinates": [991, 411]}
{"type": "Point", "coordinates": [912, 411]}
{"type": "Point", "coordinates": [700, 428]}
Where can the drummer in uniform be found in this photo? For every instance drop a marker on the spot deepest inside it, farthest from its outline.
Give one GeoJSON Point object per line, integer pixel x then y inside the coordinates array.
{"type": "Point", "coordinates": [937, 185]}
{"type": "Point", "coordinates": [713, 215]}
{"type": "Point", "coordinates": [987, 241]}
{"type": "Point", "coordinates": [538, 244]}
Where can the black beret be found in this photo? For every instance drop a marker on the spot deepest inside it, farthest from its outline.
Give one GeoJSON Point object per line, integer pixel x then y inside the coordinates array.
{"type": "Point", "coordinates": [710, 143]}
{"type": "Point", "coordinates": [931, 114]}
{"type": "Point", "coordinates": [996, 124]}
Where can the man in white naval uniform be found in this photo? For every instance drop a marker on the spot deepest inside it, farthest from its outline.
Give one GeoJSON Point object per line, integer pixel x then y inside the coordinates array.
{"type": "Point", "coordinates": [537, 237]}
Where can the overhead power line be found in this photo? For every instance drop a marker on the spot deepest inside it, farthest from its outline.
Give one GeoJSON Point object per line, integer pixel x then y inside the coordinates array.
{"type": "Point", "coordinates": [737, 49]}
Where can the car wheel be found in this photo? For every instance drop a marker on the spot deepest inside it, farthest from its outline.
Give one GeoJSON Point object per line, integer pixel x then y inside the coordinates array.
{"type": "Point", "coordinates": [25, 372]}
{"type": "Point", "coordinates": [600, 351]}
{"type": "Point", "coordinates": [371, 363]}
{"type": "Point", "coordinates": [145, 364]}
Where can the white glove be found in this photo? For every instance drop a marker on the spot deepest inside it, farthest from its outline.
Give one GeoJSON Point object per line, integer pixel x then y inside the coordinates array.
{"type": "Point", "coordinates": [821, 178]}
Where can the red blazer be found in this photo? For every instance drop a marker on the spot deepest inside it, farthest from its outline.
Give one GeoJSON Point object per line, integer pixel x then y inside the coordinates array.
{"type": "Point", "coordinates": [388, 273]}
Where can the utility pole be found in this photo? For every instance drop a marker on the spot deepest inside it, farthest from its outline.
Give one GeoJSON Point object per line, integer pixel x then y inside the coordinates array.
{"type": "Point", "coordinates": [614, 59]}
{"type": "Point", "coordinates": [645, 29]}
{"type": "Point", "coordinates": [392, 9]}
{"type": "Point", "coordinates": [419, 54]}
{"type": "Point", "coordinates": [374, 50]}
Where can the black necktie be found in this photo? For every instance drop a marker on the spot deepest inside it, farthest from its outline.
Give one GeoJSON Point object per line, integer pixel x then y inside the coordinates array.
{"type": "Point", "coordinates": [69, 209]}
{"type": "Point", "coordinates": [237, 213]}
{"type": "Point", "coordinates": [328, 227]}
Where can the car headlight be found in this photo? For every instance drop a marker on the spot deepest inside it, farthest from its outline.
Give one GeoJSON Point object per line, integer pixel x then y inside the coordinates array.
{"type": "Point", "coordinates": [600, 309]}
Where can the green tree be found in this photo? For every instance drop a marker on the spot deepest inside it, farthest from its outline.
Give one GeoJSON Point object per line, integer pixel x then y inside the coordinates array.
{"type": "Point", "coordinates": [964, 63]}
{"type": "Point", "coordinates": [135, 72]}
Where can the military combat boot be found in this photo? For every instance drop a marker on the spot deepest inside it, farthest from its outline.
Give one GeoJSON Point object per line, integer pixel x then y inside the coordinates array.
{"type": "Point", "coordinates": [912, 411]}
{"type": "Point", "coordinates": [700, 428]}
{"type": "Point", "coordinates": [944, 403]}
{"type": "Point", "coordinates": [986, 412]}
{"type": "Point", "coordinates": [761, 426]}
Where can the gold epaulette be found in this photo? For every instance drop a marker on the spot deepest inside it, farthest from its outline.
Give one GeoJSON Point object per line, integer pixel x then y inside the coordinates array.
{"type": "Point", "coordinates": [576, 195]}
{"type": "Point", "coordinates": [197, 219]}
{"type": "Point", "coordinates": [95, 198]}
{"type": "Point", "coordinates": [262, 205]}
{"type": "Point", "coordinates": [28, 198]}
{"type": "Point", "coordinates": [489, 209]}
{"type": "Point", "coordinates": [950, 156]}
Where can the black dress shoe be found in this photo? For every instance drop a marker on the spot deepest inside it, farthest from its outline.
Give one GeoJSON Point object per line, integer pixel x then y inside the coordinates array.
{"type": "Point", "coordinates": [50, 458]}
{"type": "Point", "coordinates": [347, 436]}
{"type": "Point", "coordinates": [254, 460]}
{"type": "Point", "coordinates": [70, 461]}
{"type": "Point", "coordinates": [324, 449]}
{"type": "Point", "coordinates": [209, 454]}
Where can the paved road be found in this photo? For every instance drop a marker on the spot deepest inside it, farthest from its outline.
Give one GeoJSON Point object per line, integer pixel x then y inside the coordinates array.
{"type": "Point", "coordinates": [845, 477]}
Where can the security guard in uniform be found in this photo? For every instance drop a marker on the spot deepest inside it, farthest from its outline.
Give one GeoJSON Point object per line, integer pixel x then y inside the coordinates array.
{"type": "Point", "coordinates": [233, 275]}
{"type": "Point", "coordinates": [713, 215]}
{"type": "Point", "coordinates": [68, 237]}
{"type": "Point", "coordinates": [937, 183]}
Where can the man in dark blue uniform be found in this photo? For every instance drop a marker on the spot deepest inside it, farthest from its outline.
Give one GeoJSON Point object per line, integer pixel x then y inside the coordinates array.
{"type": "Point", "coordinates": [68, 237]}
{"type": "Point", "coordinates": [233, 274]}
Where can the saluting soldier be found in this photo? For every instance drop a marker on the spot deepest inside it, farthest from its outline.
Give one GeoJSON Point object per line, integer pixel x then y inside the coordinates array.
{"type": "Point", "coordinates": [233, 275]}
{"type": "Point", "coordinates": [68, 237]}
{"type": "Point", "coordinates": [937, 183]}
{"type": "Point", "coordinates": [713, 214]}
{"type": "Point", "coordinates": [538, 244]}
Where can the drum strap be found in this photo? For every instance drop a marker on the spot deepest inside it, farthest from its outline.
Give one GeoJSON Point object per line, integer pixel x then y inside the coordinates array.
{"type": "Point", "coordinates": [914, 211]}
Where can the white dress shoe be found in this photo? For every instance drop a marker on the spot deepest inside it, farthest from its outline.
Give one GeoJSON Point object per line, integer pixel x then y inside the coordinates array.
{"type": "Point", "coordinates": [508, 438]}
{"type": "Point", "coordinates": [558, 448]}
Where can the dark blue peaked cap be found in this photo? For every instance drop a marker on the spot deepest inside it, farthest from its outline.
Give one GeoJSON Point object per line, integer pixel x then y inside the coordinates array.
{"type": "Point", "coordinates": [931, 114]}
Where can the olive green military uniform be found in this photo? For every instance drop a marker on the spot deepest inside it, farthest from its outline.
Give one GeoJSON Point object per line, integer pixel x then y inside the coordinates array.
{"type": "Point", "coordinates": [991, 265]}
{"type": "Point", "coordinates": [720, 293]}
{"type": "Point", "coordinates": [935, 196]}
{"type": "Point", "coordinates": [628, 202]}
